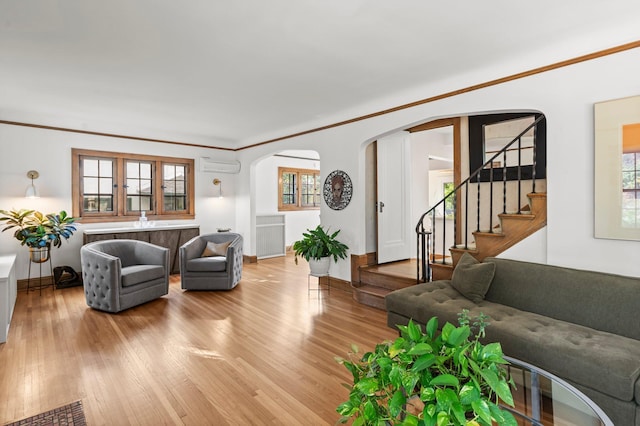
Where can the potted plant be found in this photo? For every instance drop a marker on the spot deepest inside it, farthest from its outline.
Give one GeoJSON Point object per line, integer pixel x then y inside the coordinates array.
{"type": "Point", "coordinates": [39, 231]}
{"type": "Point", "coordinates": [430, 378]}
{"type": "Point", "coordinates": [318, 247]}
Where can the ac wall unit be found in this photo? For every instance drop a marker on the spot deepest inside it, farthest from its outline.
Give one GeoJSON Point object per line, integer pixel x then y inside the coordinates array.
{"type": "Point", "coordinates": [208, 165]}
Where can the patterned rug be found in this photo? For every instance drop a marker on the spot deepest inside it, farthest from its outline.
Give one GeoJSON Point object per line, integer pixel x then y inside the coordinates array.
{"type": "Point", "coordinates": [67, 415]}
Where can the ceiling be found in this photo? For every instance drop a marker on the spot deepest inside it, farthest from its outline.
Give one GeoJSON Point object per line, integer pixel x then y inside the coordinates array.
{"type": "Point", "coordinates": [230, 73]}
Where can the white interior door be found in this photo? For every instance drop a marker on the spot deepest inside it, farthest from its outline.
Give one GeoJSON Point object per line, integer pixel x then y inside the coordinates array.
{"type": "Point", "coordinates": [394, 209]}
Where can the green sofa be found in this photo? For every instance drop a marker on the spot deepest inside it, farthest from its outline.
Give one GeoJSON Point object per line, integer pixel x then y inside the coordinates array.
{"type": "Point", "coordinates": [582, 326]}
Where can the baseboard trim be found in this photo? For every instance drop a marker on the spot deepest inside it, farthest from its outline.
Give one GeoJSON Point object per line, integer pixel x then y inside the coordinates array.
{"type": "Point", "coordinates": [249, 259]}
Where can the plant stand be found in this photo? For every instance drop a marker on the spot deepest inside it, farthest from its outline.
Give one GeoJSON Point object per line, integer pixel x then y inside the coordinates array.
{"type": "Point", "coordinates": [40, 256]}
{"type": "Point", "coordinates": [318, 288]}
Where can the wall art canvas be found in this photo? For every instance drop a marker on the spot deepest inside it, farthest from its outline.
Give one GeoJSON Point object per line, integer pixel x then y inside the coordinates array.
{"type": "Point", "coordinates": [617, 169]}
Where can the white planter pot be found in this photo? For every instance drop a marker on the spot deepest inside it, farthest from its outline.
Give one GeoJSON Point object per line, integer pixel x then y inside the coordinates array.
{"type": "Point", "coordinates": [320, 267]}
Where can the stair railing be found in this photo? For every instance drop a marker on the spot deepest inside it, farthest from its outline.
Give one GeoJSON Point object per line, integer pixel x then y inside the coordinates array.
{"type": "Point", "coordinates": [426, 236]}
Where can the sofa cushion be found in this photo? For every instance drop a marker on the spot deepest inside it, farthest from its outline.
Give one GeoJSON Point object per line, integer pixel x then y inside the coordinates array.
{"type": "Point", "coordinates": [136, 274]}
{"type": "Point", "coordinates": [472, 278]}
{"type": "Point", "coordinates": [215, 249]}
{"type": "Point", "coordinates": [207, 264]}
{"type": "Point", "coordinates": [598, 360]}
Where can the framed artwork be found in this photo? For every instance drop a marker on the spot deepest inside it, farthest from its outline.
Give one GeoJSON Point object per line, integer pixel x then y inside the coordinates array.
{"type": "Point", "coordinates": [617, 169]}
{"type": "Point", "coordinates": [337, 190]}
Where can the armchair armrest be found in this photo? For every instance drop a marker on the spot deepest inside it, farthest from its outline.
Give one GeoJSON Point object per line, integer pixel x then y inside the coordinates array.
{"type": "Point", "coordinates": [101, 279]}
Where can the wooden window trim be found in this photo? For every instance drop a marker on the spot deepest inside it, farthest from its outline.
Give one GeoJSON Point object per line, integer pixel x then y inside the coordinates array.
{"type": "Point", "coordinates": [298, 206]}
{"type": "Point", "coordinates": [119, 214]}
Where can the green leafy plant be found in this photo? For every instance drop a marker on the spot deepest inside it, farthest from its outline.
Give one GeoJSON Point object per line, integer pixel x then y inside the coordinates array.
{"type": "Point", "coordinates": [35, 229]}
{"type": "Point", "coordinates": [317, 243]}
{"type": "Point", "coordinates": [430, 378]}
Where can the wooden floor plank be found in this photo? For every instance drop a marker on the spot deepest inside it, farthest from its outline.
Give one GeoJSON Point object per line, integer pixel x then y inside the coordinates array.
{"type": "Point", "coordinates": [262, 353]}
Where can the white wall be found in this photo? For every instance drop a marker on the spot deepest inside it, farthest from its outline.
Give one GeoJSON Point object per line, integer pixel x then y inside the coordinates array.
{"type": "Point", "coordinates": [566, 96]}
{"type": "Point", "coordinates": [266, 200]}
{"type": "Point", "coordinates": [49, 152]}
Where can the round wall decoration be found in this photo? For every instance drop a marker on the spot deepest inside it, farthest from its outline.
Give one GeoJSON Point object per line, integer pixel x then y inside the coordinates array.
{"type": "Point", "coordinates": [337, 190]}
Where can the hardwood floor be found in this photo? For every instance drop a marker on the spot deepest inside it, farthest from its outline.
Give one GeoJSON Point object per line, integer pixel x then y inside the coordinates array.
{"type": "Point", "coordinates": [262, 353]}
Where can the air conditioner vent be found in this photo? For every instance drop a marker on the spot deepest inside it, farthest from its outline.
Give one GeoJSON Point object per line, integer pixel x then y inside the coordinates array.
{"type": "Point", "coordinates": [207, 165]}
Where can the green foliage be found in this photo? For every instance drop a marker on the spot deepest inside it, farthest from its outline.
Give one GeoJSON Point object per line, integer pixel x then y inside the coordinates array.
{"type": "Point", "coordinates": [429, 378]}
{"type": "Point", "coordinates": [35, 229]}
{"type": "Point", "coordinates": [317, 243]}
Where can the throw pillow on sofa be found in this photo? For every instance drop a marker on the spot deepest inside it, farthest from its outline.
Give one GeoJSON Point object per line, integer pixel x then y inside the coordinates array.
{"type": "Point", "coordinates": [213, 249]}
{"type": "Point", "coordinates": [472, 278]}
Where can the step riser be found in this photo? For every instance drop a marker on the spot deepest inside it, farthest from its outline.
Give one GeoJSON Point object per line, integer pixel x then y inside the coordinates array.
{"type": "Point", "coordinates": [385, 281]}
{"type": "Point", "coordinates": [368, 299]}
{"type": "Point", "coordinates": [441, 272]}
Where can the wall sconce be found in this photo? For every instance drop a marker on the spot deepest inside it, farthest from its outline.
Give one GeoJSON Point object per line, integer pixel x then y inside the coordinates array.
{"type": "Point", "coordinates": [31, 191]}
{"type": "Point", "coordinates": [217, 182]}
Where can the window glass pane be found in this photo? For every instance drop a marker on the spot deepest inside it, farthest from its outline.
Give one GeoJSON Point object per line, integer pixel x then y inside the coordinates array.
{"type": "Point", "coordinates": [106, 204]}
{"type": "Point", "coordinates": [90, 167]}
{"type": "Point", "coordinates": [106, 185]}
{"type": "Point", "coordinates": [288, 188]}
{"type": "Point", "coordinates": [169, 171]}
{"type": "Point", "coordinates": [169, 187]}
{"type": "Point", "coordinates": [145, 203]}
{"type": "Point", "coordinates": [145, 170]}
{"type": "Point", "coordinates": [133, 169]}
{"type": "Point", "coordinates": [628, 161]}
{"type": "Point", "coordinates": [174, 186]}
{"type": "Point", "coordinates": [97, 183]}
{"type": "Point", "coordinates": [106, 168]}
{"type": "Point", "coordinates": [91, 204]}
{"type": "Point", "coordinates": [628, 180]}
{"type": "Point", "coordinates": [145, 186]}
{"type": "Point", "coordinates": [133, 186]}
{"type": "Point", "coordinates": [498, 135]}
{"type": "Point", "coordinates": [90, 185]}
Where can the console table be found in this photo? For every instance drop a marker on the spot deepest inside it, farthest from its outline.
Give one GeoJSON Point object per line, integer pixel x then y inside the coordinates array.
{"type": "Point", "coordinates": [8, 293]}
{"type": "Point", "coordinates": [169, 236]}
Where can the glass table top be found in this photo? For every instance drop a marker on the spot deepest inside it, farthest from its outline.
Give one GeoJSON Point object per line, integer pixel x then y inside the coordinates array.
{"type": "Point", "coordinates": [544, 399]}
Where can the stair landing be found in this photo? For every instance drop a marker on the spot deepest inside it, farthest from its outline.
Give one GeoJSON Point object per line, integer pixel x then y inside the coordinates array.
{"type": "Point", "coordinates": [376, 281]}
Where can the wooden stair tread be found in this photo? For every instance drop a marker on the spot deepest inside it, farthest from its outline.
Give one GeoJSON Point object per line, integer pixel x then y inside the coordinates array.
{"type": "Point", "coordinates": [522, 216]}
{"type": "Point", "coordinates": [374, 290]}
{"type": "Point", "coordinates": [488, 234]}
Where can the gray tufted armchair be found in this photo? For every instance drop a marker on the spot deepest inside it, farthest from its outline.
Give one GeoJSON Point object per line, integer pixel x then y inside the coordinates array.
{"type": "Point", "coordinates": [120, 274]}
{"type": "Point", "coordinates": [202, 270]}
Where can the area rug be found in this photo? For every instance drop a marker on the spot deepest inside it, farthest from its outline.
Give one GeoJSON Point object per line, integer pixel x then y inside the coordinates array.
{"type": "Point", "coordinates": [67, 415]}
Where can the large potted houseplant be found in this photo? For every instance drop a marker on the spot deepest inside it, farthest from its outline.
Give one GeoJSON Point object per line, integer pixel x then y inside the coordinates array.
{"type": "Point", "coordinates": [38, 231]}
{"type": "Point", "coordinates": [430, 378]}
{"type": "Point", "coordinates": [318, 246]}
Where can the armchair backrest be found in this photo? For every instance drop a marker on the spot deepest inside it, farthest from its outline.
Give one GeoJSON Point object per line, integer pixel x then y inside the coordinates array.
{"type": "Point", "coordinates": [130, 252]}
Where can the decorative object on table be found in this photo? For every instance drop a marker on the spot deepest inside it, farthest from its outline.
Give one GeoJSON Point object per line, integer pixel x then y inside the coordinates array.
{"type": "Point", "coordinates": [318, 247]}
{"type": "Point", "coordinates": [431, 377]}
{"type": "Point", "coordinates": [337, 190]}
{"type": "Point", "coordinates": [143, 221]}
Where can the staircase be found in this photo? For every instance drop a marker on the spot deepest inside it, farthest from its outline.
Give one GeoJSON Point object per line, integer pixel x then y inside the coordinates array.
{"type": "Point", "coordinates": [373, 282]}
{"type": "Point", "coordinates": [513, 228]}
